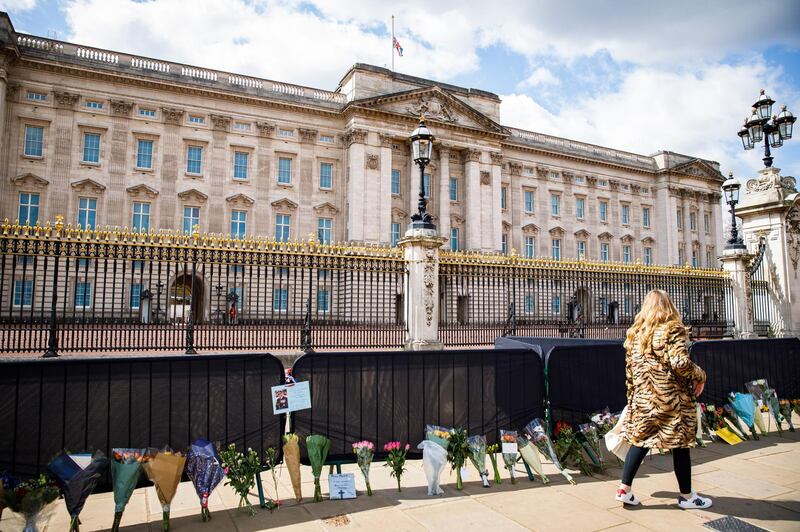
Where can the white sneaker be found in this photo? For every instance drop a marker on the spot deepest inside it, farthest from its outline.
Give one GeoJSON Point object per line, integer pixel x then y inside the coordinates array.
{"type": "Point", "coordinates": [695, 502]}
{"type": "Point", "coordinates": [626, 497]}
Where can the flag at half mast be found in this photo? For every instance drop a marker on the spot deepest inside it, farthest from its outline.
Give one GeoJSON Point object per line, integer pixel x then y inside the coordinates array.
{"type": "Point", "coordinates": [397, 47]}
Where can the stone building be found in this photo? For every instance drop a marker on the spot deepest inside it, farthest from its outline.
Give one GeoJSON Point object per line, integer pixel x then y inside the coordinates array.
{"type": "Point", "coordinates": [107, 138]}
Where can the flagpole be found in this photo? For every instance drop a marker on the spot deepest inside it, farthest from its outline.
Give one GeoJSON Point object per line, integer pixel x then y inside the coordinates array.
{"type": "Point", "coordinates": [392, 49]}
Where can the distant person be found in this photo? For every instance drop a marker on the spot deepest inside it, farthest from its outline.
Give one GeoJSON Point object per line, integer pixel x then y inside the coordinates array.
{"type": "Point", "coordinates": [663, 384]}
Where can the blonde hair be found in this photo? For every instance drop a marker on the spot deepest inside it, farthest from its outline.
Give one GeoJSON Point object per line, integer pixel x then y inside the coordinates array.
{"type": "Point", "coordinates": [657, 309]}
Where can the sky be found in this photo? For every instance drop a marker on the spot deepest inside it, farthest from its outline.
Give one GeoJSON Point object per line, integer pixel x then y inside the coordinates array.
{"type": "Point", "coordinates": [633, 75]}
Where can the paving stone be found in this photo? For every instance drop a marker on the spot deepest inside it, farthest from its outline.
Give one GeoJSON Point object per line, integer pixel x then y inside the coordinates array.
{"type": "Point", "coordinates": [761, 513]}
{"type": "Point", "coordinates": [465, 515]}
{"type": "Point", "coordinates": [739, 482]}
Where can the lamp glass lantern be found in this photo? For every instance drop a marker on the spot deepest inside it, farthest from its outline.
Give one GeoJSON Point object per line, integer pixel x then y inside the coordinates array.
{"type": "Point", "coordinates": [774, 137]}
{"type": "Point", "coordinates": [744, 134]}
{"type": "Point", "coordinates": [785, 122]}
{"type": "Point", "coordinates": [422, 143]}
{"type": "Point", "coordinates": [764, 105]}
{"type": "Point", "coordinates": [755, 127]}
{"type": "Point", "coordinates": [731, 189]}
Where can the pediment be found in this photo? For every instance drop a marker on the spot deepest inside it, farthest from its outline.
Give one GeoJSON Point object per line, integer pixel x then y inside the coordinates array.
{"type": "Point", "coordinates": [605, 236]}
{"type": "Point", "coordinates": [142, 190]}
{"type": "Point", "coordinates": [240, 199]}
{"type": "Point", "coordinates": [88, 185]}
{"type": "Point", "coordinates": [506, 226]}
{"type": "Point", "coordinates": [556, 231]}
{"type": "Point", "coordinates": [327, 209]}
{"type": "Point", "coordinates": [399, 213]}
{"type": "Point", "coordinates": [435, 103]}
{"type": "Point", "coordinates": [699, 168]}
{"type": "Point", "coordinates": [192, 195]}
{"type": "Point", "coordinates": [530, 228]}
{"type": "Point", "coordinates": [30, 180]}
{"type": "Point", "coordinates": [284, 203]}
{"type": "Point", "coordinates": [626, 238]}
{"type": "Point", "coordinates": [582, 233]}
{"type": "Point", "coordinates": [648, 241]}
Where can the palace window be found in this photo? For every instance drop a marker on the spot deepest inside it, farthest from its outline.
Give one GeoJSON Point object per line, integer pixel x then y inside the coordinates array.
{"type": "Point", "coordinates": [144, 154]}
{"type": "Point", "coordinates": [195, 119]}
{"type": "Point", "coordinates": [427, 182]}
{"type": "Point", "coordinates": [28, 212]}
{"type": "Point", "coordinates": [681, 255]}
{"type": "Point", "coordinates": [236, 293]}
{"type": "Point", "coordinates": [454, 239]}
{"type": "Point", "coordinates": [149, 113]}
{"type": "Point", "coordinates": [23, 292]}
{"type": "Point", "coordinates": [580, 208]}
{"type": "Point", "coordinates": [504, 243]}
{"type": "Point", "coordinates": [283, 225]}
{"type": "Point", "coordinates": [87, 212]}
{"type": "Point", "coordinates": [581, 249]}
{"type": "Point", "coordinates": [709, 258]}
{"type": "Point", "coordinates": [326, 138]}
{"type": "Point", "coordinates": [194, 159]}
{"type": "Point", "coordinates": [238, 224]}
{"type": "Point", "coordinates": [528, 201]}
{"type": "Point", "coordinates": [83, 295]}
{"type": "Point", "coordinates": [324, 230]}
{"type": "Point", "coordinates": [286, 133]}
{"type": "Point", "coordinates": [555, 204]}
{"type": "Point", "coordinates": [503, 198]}
{"type": "Point", "coordinates": [648, 256]}
{"type": "Point", "coordinates": [326, 176]}
{"type": "Point", "coordinates": [556, 304]}
{"type": "Point", "coordinates": [395, 182]}
{"type": "Point", "coordinates": [141, 217]}
{"type": "Point", "coordinates": [323, 302]}
{"type": "Point", "coordinates": [626, 254]}
{"type": "Point", "coordinates": [135, 297]}
{"type": "Point", "coordinates": [36, 96]}
{"type": "Point", "coordinates": [284, 171]}
{"type": "Point", "coordinates": [94, 105]}
{"type": "Point", "coordinates": [453, 189]}
{"type": "Point", "coordinates": [603, 211]}
{"type": "Point", "coordinates": [679, 218]}
{"type": "Point", "coordinates": [34, 140]}
{"type": "Point", "coordinates": [280, 299]}
{"type": "Point", "coordinates": [240, 164]}
{"type": "Point", "coordinates": [706, 222]}
{"type": "Point", "coordinates": [530, 247]}
{"type": "Point", "coordinates": [191, 218]}
{"type": "Point", "coordinates": [530, 302]}
{"type": "Point", "coordinates": [604, 252]}
{"type": "Point", "coordinates": [395, 233]}
{"type": "Point", "coordinates": [626, 214]}
{"type": "Point", "coordinates": [556, 244]}
{"type": "Point", "coordinates": [693, 221]}
{"type": "Point", "coordinates": [91, 148]}
{"type": "Point", "coordinates": [241, 126]}
{"type": "Point", "coordinates": [695, 264]}
{"type": "Point", "coordinates": [646, 216]}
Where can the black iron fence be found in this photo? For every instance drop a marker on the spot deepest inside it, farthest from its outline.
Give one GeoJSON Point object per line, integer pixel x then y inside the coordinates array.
{"type": "Point", "coordinates": [763, 302]}
{"type": "Point", "coordinates": [64, 289]}
{"type": "Point", "coordinates": [486, 296]}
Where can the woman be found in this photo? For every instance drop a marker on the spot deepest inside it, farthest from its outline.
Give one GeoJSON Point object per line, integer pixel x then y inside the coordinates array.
{"type": "Point", "coordinates": [662, 386]}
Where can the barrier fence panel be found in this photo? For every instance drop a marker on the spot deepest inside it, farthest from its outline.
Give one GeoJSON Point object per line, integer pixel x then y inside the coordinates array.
{"type": "Point", "coordinates": [386, 396]}
{"type": "Point", "coordinates": [66, 290]}
{"type": "Point", "coordinates": [99, 403]}
{"type": "Point", "coordinates": [486, 296]}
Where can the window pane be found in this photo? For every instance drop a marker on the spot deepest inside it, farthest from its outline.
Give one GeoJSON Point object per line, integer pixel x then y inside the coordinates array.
{"type": "Point", "coordinates": [240, 159]}
{"type": "Point", "coordinates": [427, 182]}
{"type": "Point", "coordinates": [454, 239]}
{"type": "Point", "coordinates": [238, 224]}
{"type": "Point", "coordinates": [282, 227]}
{"type": "Point", "coordinates": [33, 141]}
{"type": "Point", "coordinates": [136, 296]}
{"type": "Point", "coordinates": [87, 212]}
{"type": "Point", "coordinates": [603, 211]}
{"type": "Point", "coordinates": [557, 249]}
{"type": "Point", "coordinates": [579, 207]}
{"type": "Point", "coordinates": [453, 189]}
{"type": "Point", "coordinates": [322, 300]}
{"type": "Point", "coordinates": [284, 171]}
{"type": "Point", "coordinates": [91, 148]}
{"type": "Point", "coordinates": [28, 212]}
{"type": "Point", "coordinates": [83, 295]}
{"type": "Point", "coordinates": [395, 181]}
{"type": "Point", "coordinates": [530, 247]}
{"type": "Point", "coordinates": [144, 154]}
{"type": "Point", "coordinates": [324, 226]}
{"type": "Point", "coordinates": [555, 204]}
{"type": "Point", "coordinates": [646, 216]}
{"type": "Point", "coordinates": [325, 175]}
{"type": "Point", "coordinates": [141, 217]}
{"type": "Point", "coordinates": [23, 292]}
{"type": "Point", "coordinates": [194, 159]}
{"type": "Point", "coordinates": [504, 197]}
{"type": "Point", "coordinates": [191, 218]}
{"type": "Point", "coordinates": [280, 299]}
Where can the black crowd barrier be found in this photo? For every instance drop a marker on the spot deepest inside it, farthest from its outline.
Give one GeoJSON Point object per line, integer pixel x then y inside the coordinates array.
{"type": "Point", "coordinates": [151, 401]}
{"type": "Point", "coordinates": [386, 396]}
{"type": "Point", "coordinates": [730, 363]}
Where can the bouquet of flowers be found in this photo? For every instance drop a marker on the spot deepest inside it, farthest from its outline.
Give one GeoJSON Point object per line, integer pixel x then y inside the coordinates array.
{"type": "Point", "coordinates": [458, 453]}
{"type": "Point", "coordinates": [271, 463]}
{"type": "Point", "coordinates": [568, 449]}
{"type": "Point", "coordinates": [7, 482]}
{"type": "Point", "coordinates": [591, 444]}
{"type": "Point", "coordinates": [240, 471]}
{"type": "Point", "coordinates": [126, 466]}
{"type": "Point", "coordinates": [711, 420]}
{"type": "Point", "coordinates": [744, 406]}
{"type": "Point", "coordinates": [364, 451]}
{"type": "Point", "coordinates": [164, 470]}
{"type": "Point", "coordinates": [604, 420]}
{"type": "Point", "coordinates": [434, 455]}
{"type": "Point", "coordinates": [77, 475]}
{"type": "Point", "coordinates": [760, 390]}
{"type": "Point", "coordinates": [396, 459]}
{"type": "Point", "coordinates": [536, 433]}
{"type": "Point", "coordinates": [291, 456]}
{"type": "Point", "coordinates": [477, 455]}
{"type": "Point", "coordinates": [318, 447]}
{"type": "Point", "coordinates": [729, 414]}
{"type": "Point", "coordinates": [204, 467]}
{"type": "Point", "coordinates": [531, 456]}
{"type": "Point", "coordinates": [29, 499]}
{"type": "Point", "coordinates": [786, 411]}
{"type": "Point", "coordinates": [492, 450]}
{"type": "Point", "coordinates": [508, 441]}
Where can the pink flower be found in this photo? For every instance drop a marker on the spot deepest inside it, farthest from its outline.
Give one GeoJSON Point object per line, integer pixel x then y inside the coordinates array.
{"type": "Point", "coordinates": [408, 446]}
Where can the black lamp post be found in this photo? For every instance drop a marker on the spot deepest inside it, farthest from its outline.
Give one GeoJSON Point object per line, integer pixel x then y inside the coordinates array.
{"type": "Point", "coordinates": [731, 189]}
{"type": "Point", "coordinates": [422, 147]}
{"type": "Point", "coordinates": [759, 127]}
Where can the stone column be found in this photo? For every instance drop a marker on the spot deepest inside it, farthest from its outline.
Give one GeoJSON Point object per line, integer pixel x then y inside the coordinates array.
{"type": "Point", "coordinates": [496, 239]}
{"type": "Point", "coordinates": [172, 157]}
{"type": "Point", "coordinates": [263, 181]}
{"type": "Point", "coordinates": [702, 210]}
{"type": "Point", "coordinates": [218, 219]}
{"type": "Point", "coordinates": [116, 208]}
{"type": "Point", "coordinates": [444, 191]}
{"type": "Point", "coordinates": [421, 249]}
{"type": "Point", "coordinates": [306, 219]}
{"type": "Point", "coordinates": [472, 197]}
{"type": "Point", "coordinates": [735, 261]}
{"type": "Point", "coordinates": [687, 231]}
{"type": "Point", "coordinates": [716, 224]}
{"type": "Point", "coordinates": [60, 137]}
{"type": "Point", "coordinates": [513, 203]}
{"type": "Point", "coordinates": [385, 190]}
{"type": "Point", "coordinates": [8, 54]}
{"type": "Point", "coordinates": [354, 140]}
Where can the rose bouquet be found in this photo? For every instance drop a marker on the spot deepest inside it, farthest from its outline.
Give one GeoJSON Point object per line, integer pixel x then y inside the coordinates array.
{"type": "Point", "coordinates": [604, 420]}
{"type": "Point", "coordinates": [318, 447]}
{"type": "Point", "coordinates": [568, 448]}
{"type": "Point", "coordinates": [204, 468]}
{"type": "Point", "coordinates": [477, 455]}
{"type": "Point", "coordinates": [291, 456]}
{"type": "Point", "coordinates": [164, 470]}
{"type": "Point", "coordinates": [240, 471]}
{"type": "Point", "coordinates": [531, 457]}
{"type": "Point", "coordinates": [786, 411]}
{"type": "Point", "coordinates": [492, 451]}
{"type": "Point", "coordinates": [77, 475]}
{"type": "Point", "coordinates": [364, 451]}
{"type": "Point", "coordinates": [396, 459]}
{"type": "Point", "coordinates": [458, 453]}
{"type": "Point", "coordinates": [591, 444]}
{"type": "Point", "coordinates": [536, 433]}
{"type": "Point", "coordinates": [434, 455]}
{"type": "Point", "coordinates": [508, 442]}
{"type": "Point", "coordinates": [744, 406]}
{"type": "Point", "coordinates": [29, 499]}
{"type": "Point", "coordinates": [126, 466]}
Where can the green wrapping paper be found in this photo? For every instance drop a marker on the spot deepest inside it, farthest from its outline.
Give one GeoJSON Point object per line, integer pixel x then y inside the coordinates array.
{"type": "Point", "coordinates": [126, 466]}
{"type": "Point", "coordinates": [318, 447]}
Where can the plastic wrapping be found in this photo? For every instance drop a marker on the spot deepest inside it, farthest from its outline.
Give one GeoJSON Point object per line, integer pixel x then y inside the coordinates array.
{"type": "Point", "coordinates": [760, 390]}
{"type": "Point", "coordinates": [77, 476]}
{"type": "Point", "coordinates": [786, 411]}
{"type": "Point", "coordinates": [434, 457]}
{"type": "Point", "coordinates": [438, 435]}
{"type": "Point", "coordinates": [744, 406]}
{"type": "Point", "coordinates": [318, 447]}
{"type": "Point", "coordinates": [164, 471]}
{"type": "Point", "coordinates": [508, 443]}
{"type": "Point", "coordinates": [31, 499]}
{"type": "Point", "coordinates": [536, 433]}
{"type": "Point", "coordinates": [531, 456]}
{"type": "Point", "coordinates": [204, 468]}
{"type": "Point", "coordinates": [733, 421]}
{"type": "Point", "coordinates": [591, 444]}
{"type": "Point", "coordinates": [291, 457]}
{"type": "Point", "coordinates": [364, 451]}
{"type": "Point", "coordinates": [477, 455]}
{"type": "Point", "coordinates": [126, 466]}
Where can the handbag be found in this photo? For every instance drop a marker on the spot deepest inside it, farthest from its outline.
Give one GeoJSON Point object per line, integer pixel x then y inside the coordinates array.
{"type": "Point", "coordinates": [615, 442]}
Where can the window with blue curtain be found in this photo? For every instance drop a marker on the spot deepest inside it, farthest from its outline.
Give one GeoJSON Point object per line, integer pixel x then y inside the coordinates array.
{"type": "Point", "coordinates": [454, 239]}
{"type": "Point", "coordinates": [136, 296]}
{"type": "Point", "coordinates": [325, 175]}
{"type": "Point", "coordinates": [83, 295]}
{"type": "Point", "coordinates": [141, 217]}
{"type": "Point", "coordinates": [282, 227]}
{"type": "Point", "coordinates": [28, 212]}
{"type": "Point", "coordinates": [240, 159]}
{"type": "Point", "coordinates": [87, 212]}
{"type": "Point", "coordinates": [194, 159]}
{"type": "Point", "coordinates": [453, 189]}
{"type": "Point", "coordinates": [324, 226]}
{"type": "Point", "coordinates": [280, 299]}
{"type": "Point", "coordinates": [144, 154]}
{"type": "Point", "coordinates": [238, 224]}
{"type": "Point", "coordinates": [395, 182]}
{"type": "Point", "coordinates": [284, 171]}
{"type": "Point", "coordinates": [91, 148]}
{"type": "Point", "coordinates": [34, 141]}
{"type": "Point", "coordinates": [23, 292]}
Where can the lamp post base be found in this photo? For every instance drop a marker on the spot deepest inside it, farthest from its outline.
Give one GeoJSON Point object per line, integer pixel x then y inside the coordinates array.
{"type": "Point", "coordinates": [423, 224]}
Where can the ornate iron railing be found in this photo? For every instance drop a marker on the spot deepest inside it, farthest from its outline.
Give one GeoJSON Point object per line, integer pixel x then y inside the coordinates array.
{"type": "Point", "coordinates": [486, 296]}
{"type": "Point", "coordinates": [64, 288]}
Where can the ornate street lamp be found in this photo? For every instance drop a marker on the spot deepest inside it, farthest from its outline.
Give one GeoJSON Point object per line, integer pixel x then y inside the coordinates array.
{"type": "Point", "coordinates": [731, 190]}
{"type": "Point", "coordinates": [759, 127]}
{"type": "Point", "coordinates": [422, 147]}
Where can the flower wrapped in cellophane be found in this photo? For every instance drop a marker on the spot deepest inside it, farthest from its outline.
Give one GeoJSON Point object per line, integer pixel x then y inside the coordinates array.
{"type": "Point", "coordinates": [568, 449]}
{"type": "Point", "coordinates": [744, 406]}
{"type": "Point", "coordinates": [291, 457]}
{"type": "Point", "coordinates": [458, 453]}
{"type": "Point", "coordinates": [591, 444]}
{"type": "Point", "coordinates": [733, 421]}
{"type": "Point", "coordinates": [364, 451]}
{"type": "Point", "coordinates": [439, 435]}
{"type": "Point", "coordinates": [77, 475]}
{"type": "Point", "coordinates": [477, 455]}
{"type": "Point", "coordinates": [530, 455]}
{"type": "Point", "coordinates": [785, 407]}
{"type": "Point", "coordinates": [30, 499]}
{"type": "Point", "coordinates": [538, 435]}
{"type": "Point", "coordinates": [164, 470]}
{"type": "Point", "coordinates": [318, 447]}
{"type": "Point", "coordinates": [760, 390]}
{"type": "Point", "coordinates": [126, 467]}
{"type": "Point", "coordinates": [509, 448]}
{"type": "Point", "coordinates": [204, 468]}
{"type": "Point", "coordinates": [434, 456]}
{"type": "Point", "coordinates": [604, 420]}
{"type": "Point", "coordinates": [492, 451]}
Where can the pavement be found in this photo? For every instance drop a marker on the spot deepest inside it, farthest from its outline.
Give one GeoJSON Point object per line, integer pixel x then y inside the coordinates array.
{"type": "Point", "coordinates": [757, 482]}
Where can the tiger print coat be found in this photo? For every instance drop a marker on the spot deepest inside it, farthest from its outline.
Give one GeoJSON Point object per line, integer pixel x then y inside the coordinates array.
{"type": "Point", "coordinates": [661, 404]}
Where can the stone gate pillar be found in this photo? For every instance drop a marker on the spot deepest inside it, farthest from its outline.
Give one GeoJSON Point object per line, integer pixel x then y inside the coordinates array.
{"type": "Point", "coordinates": [421, 247]}
{"type": "Point", "coordinates": [735, 261]}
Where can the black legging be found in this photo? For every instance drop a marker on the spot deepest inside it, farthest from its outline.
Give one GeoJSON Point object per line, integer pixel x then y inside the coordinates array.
{"type": "Point", "coordinates": [680, 461]}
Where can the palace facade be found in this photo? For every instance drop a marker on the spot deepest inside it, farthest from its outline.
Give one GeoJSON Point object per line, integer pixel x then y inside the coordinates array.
{"type": "Point", "coordinates": [106, 138]}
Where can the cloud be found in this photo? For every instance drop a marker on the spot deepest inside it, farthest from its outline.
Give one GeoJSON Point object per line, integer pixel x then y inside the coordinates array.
{"type": "Point", "coordinates": [540, 76]}
{"type": "Point", "coordinates": [17, 5]}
